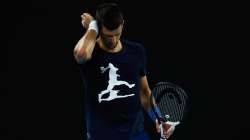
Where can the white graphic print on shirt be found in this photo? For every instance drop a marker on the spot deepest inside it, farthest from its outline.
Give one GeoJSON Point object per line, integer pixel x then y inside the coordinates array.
{"type": "Point", "coordinates": [113, 94]}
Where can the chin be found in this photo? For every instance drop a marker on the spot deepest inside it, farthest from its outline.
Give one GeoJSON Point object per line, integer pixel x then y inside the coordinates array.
{"type": "Point", "coordinates": [111, 46]}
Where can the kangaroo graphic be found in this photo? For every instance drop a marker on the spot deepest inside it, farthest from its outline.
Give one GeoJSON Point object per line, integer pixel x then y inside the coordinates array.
{"type": "Point", "coordinates": [113, 94]}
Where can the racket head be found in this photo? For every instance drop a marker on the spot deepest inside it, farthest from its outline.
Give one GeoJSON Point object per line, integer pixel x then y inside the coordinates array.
{"type": "Point", "coordinates": [172, 101]}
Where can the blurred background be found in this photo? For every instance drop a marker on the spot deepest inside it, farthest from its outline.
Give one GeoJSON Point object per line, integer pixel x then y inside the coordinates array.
{"type": "Point", "coordinates": [188, 43]}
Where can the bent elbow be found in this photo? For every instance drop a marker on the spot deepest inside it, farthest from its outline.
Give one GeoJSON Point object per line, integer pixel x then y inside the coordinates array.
{"type": "Point", "coordinates": [81, 56]}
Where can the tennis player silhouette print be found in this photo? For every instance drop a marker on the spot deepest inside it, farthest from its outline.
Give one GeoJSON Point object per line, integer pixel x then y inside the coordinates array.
{"type": "Point", "coordinates": [113, 81]}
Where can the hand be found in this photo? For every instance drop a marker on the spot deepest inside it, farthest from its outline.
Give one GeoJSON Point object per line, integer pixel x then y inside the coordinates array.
{"type": "Point", "coordinates": [86, 19]}
{"type": "Point", "coordinates": [167, 128]}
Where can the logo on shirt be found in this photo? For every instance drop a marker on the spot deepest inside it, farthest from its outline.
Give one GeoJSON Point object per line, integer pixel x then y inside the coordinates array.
{"type": "Point", "coordinates": [113, 94]}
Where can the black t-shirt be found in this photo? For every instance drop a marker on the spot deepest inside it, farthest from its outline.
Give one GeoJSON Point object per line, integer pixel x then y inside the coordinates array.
{"type": "Point", "coordinates": [112, 101]}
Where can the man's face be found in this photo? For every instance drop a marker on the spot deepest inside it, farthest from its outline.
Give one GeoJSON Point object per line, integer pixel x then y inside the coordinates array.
{"type": "Point", "coordinates": [111, 38]}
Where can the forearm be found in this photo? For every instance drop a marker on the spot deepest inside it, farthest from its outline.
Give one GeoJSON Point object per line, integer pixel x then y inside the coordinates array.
{"type": "Point", "coordinates": [85, 46]}
{"type": "Point", "coordinates": [145, 99]}
{"type": "Point", "coordinates": [147, 104]}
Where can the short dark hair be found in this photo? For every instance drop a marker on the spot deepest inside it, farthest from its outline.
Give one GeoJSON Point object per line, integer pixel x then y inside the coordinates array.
{"type": "Point", "coordinates": [109, 15]}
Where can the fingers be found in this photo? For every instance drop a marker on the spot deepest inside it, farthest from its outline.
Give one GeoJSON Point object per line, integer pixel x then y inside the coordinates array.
{"type": "Point", "coordinates": [86, 19]}
{"type": "Point", "coordinates": [169, 132]}
{"type": "Point", "coordinates": [157, 125]}
{"type": "Point", "coordinates": [84, 14]}
{"type": "Point", "coordinates": [87, 16]}
{"type": "Point", "coordinates": [166, 129]}
{"type": "Point", "coordinates": [172, 123]}
{"type": "Point", "coordinates": [83, 20]}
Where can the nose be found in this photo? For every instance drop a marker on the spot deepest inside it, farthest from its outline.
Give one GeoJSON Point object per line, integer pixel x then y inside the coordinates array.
{"type": "Point", "coordinates": [112, 40]}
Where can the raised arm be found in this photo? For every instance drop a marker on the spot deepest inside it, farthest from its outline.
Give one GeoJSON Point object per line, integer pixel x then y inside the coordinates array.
{"type": "Point", "coordinates": [85, 46]}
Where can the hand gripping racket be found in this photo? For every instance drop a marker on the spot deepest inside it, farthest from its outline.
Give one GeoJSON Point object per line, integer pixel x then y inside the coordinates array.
{"type": "Point", "coordinates": [172, 102]}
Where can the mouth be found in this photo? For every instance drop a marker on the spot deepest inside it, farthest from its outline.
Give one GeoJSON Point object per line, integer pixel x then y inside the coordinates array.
{"type": "Point", "coordinates": [111, 45]}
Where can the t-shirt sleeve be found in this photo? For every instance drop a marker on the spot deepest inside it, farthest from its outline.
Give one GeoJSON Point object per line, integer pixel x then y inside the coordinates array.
{"type": "Point", "coordinates": [143, 62]}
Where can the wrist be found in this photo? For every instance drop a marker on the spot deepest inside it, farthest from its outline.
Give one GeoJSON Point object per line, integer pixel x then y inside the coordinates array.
{"type": "Point", "coordinates": [93, 26]}
{"type": "Point", "coordinates": [152, 113]}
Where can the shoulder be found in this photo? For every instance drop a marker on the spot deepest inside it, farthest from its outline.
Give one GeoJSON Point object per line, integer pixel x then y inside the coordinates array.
{"type": "Point", "coordinates": [134, 46]}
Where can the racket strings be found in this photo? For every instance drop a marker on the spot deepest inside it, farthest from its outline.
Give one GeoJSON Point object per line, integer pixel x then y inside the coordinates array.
{"type": "Point", "coordinates": [171, 100]}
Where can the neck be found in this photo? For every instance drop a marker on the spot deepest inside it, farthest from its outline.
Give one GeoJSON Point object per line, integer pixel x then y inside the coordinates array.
{"type": "Point", "coordinates": [114, 50]}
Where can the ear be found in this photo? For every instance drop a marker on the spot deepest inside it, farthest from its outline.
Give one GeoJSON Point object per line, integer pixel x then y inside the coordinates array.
{"type": "Point", "coordinates": [123, 23]}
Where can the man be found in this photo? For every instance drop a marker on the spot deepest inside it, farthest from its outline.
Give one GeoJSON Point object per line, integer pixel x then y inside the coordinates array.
{"type": "Point", "coordinates": [115, 77]}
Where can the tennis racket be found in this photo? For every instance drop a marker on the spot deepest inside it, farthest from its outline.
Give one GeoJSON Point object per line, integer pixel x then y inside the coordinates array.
{"type": "Point", "coordinates": [172, 102]}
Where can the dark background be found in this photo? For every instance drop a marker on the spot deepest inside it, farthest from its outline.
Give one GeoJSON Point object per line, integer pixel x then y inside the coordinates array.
{"type": "Point", "coordinates": [190, 44]}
